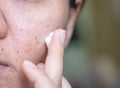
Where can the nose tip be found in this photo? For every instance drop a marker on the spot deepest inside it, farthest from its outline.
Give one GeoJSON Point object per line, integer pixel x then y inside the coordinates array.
{"type": "Point", "coordinates": [3, 28]}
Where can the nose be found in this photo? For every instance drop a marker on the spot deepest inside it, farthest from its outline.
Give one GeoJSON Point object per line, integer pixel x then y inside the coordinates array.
{"type": "Point", "coordinates": [3, 26]}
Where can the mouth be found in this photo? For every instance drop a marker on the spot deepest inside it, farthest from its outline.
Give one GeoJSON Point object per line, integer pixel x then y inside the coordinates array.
{"type": "Point", "coordinates": [3, 66]}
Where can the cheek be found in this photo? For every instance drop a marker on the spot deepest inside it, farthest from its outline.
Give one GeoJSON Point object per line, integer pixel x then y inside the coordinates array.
{"type": "Point", "coordinates": [30, 44]}
{"type": "Point", "coordinates": [25, 16]}
{"type": "Point", "coordinates": [28, 30]}
{"type": "Point", "coordinates": [33, 49]}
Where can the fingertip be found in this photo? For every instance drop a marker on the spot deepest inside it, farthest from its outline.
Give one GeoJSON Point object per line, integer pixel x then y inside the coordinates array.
{"type": "Point", "coordinates": [55, 55]}
{"type": "Point", "coordinates": [30, 71]}
{"type": "Point", "coordinates": [58, 33]}
{"type": "Point", "coordinates": [28, 64]}
{"type": "Point", "coordinates": [62, 36]}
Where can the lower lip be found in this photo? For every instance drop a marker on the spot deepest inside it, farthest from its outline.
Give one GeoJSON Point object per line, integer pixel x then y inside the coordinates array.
{"type": "Point", "coordinates": [2, 67]}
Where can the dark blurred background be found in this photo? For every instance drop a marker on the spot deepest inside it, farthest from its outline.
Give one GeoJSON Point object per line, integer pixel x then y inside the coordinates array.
{"type": "Point", "coordinates": [92, 59]}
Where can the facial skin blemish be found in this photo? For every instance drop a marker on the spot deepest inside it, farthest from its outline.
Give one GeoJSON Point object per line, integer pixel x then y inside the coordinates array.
{"type": "Point", "coordinates": [35, 38]}
{"type": "Point", "coordinates": [58, 27]}
{"type": "Point", "coordinates": [16, 60]}
{"type": "Point", "coordinates": [2, 49]}
{"type": "Point", "coordinates": [21, 29]}
{"type": "Point", "coordinates": [41, 22]}
{"type": "Point", "coordinates": [17, 51]}
{"type": "Point", "coordinates": [37, 42]}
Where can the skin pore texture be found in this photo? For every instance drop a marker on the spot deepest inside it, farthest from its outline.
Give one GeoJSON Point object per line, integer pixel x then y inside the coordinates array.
{"type": "Point", "coordinates": [24, 26]}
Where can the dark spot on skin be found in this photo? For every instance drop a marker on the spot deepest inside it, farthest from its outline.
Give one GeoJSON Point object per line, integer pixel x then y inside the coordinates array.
{"type": "Point", "coordinates": [21, 29]}
{"type": "Point", "coordinates": [58, 27]}
{"type": "Point", "coordinates": [16, 60]}
{"type": "Point", "coordinates": [2, 49]}
{"type": "Point", "coordinates": [35, 38]}
{"type": "Point", "coordinates": [17, 51]}
{"type": "Point", "coordinates": [0, 53]}
{"type": "Point", "coordinates": [41, 22]}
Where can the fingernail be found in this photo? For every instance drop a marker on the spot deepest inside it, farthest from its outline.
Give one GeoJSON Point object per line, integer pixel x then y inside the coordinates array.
{"type": "Point", "coordinates": [48, 39]}
{"type": "Point", "coordinates": [62, 36]}
{"type": "Point", "coordinates": [29, 64]}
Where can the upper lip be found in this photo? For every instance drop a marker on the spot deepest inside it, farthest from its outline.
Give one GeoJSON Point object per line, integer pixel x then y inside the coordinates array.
{"type": "Point", "coordinates": [3, 63]}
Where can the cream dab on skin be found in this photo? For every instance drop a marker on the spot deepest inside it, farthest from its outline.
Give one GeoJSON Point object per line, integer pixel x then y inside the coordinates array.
{"type": "Point", "coordinates": [48, 39]}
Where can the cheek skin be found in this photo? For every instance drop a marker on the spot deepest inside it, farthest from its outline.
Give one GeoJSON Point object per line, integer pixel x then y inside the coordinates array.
{"type": "Point", "coordinates": [32, 48]}
{"type": "Point", "coordinates": [25, 27]}
{"type": "Point", "coordinates": [49, 13]}
{"type": "Point", "coordinates": [28, 29]}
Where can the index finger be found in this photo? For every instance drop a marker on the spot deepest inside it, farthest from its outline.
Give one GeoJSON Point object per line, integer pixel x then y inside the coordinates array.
{"type": "Point", "coordinates": [54, 61]}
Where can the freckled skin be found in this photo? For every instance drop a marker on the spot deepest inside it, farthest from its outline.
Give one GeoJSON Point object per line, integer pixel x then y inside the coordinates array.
{"type": "Point", "coordinates": [24, 26]}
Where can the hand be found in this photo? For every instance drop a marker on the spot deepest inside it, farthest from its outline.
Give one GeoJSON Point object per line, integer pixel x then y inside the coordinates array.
{"type": "Point", "coordinates": [49, 75]}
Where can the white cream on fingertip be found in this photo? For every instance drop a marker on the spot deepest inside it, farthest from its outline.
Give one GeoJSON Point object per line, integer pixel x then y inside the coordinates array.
{"type": "Point", "coordinates": [48, 39]}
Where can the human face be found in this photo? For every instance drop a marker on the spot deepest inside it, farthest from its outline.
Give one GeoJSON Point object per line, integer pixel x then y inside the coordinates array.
{"type": "Point", "coordinates": [24, 26]}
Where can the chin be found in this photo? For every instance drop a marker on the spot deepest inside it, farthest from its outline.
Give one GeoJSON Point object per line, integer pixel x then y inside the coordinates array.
{"type": "Point", "coordinates": [10, 78]}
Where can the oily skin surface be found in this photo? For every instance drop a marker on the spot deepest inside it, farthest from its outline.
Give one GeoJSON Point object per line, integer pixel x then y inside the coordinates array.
{"type": "Point", "coordinates": [24, 26]}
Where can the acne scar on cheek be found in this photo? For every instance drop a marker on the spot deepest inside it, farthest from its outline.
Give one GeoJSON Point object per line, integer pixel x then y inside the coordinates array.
{"type": "Point", "coordinates": [21, 29]}
{"type": "Point", "coordinates": [36, 38]}
{"type": "Point", "coordinates": [2, 49]}
{"type": "Point", "coordinates": [41, 22]}
{"type": "Point", "coordinates": [58, 27]}
{"type": "Point", "coordinates": [16, 60]}
{"type": "Point", "coordinates": [17, 51]}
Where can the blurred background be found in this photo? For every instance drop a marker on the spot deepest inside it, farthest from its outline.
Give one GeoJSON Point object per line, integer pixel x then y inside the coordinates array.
{"type": "Point", "coordinates": [92, 59]}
